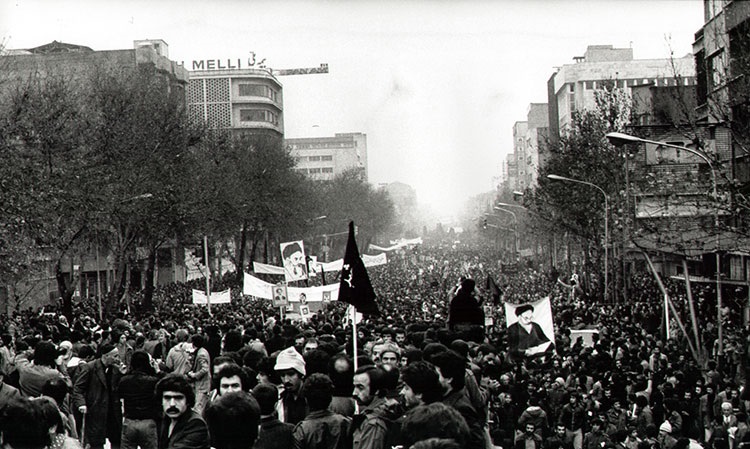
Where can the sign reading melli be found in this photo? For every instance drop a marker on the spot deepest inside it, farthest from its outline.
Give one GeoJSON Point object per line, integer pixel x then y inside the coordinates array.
{"type": "Point", "coordinates": [217, 64]}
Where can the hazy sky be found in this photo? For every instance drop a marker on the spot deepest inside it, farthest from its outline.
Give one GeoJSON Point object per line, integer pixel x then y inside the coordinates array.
{"type": "Point", "coordinates": [435, 85]}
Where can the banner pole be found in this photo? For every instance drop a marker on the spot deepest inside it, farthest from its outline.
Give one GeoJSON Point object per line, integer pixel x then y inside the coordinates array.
{"type": "Point", "coordinates": [208, 274]}
{"type": "Point", "coordinates": [354, 335]}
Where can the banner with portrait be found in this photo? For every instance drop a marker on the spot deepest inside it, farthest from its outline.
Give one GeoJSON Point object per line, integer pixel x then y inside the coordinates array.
{"type": "Point", "coordinates": [294, 261]}
{"type": "Point", "coordinates": [530, 328]}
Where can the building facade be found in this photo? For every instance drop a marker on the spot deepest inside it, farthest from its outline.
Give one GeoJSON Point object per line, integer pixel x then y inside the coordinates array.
{"type": "Point", "coordinates": [322, 158]}
{"type": "Point", "coordinates": [572, 87]}
{"type": "Point", "coordinates": [516, 165]}
{"type": "Point", "coordinates": [241, 101]}
{"type": "Point", "coordinates": [77, 64]}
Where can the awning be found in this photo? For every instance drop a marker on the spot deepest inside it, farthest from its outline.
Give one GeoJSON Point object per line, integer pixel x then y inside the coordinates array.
{"type": "Point", "coordinates": [708, 280]}
{"type": "Point", "coordinates": [695, 242]}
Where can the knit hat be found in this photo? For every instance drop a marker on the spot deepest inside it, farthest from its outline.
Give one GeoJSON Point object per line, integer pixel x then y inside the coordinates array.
{"type": "Point", "coordinates": [289, 358]}
{"type": "Point", "coordinates": [665, 427]}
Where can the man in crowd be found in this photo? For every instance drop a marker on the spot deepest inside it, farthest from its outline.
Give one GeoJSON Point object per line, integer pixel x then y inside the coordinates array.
{"type": "Point", "coordinates": [136, 390]}
{"type": "Point", "coordinates": [321, 428]}
{"type": "Point", "coordinates": [179, 358]}
{"type": "Point", "coordinates": [181, 427]}
{"type": "Point", "coordinates": [7, 392]}
{"type": "Point", "coordinates": [371, 425]}
{"type": "Point", "coordinates": [200, 373]}
{"type": "Point", "coordinates": [290, 366]}
{"type": "Point", "coordinates": [233, 421]}
{"type": "Point", "coordinates": [273, 433]}
{"type": "Point", "coordinates": [451, 369]}
{"type": "Point", "coordinates": [421, 384]}
{"type": "Point", "coordinates": [231, 378]}
{"type": "Point", "coordinates": [95, 397]}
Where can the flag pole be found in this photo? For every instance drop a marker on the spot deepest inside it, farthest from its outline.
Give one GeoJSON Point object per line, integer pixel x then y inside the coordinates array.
{"type": "Point", "coordinates": [208, 274]}
{"type": "Point", "coordinates": [354, 335]}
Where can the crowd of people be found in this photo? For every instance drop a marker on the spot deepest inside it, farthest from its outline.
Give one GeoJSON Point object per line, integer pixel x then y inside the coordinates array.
{"type": "Point", "coordinates": [433, 370]}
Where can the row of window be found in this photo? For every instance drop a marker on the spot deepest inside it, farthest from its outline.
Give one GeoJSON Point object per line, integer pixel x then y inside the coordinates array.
{"type": "Point", "coordinates": [312, 146]}
{"type": "Point", "coordinates": [327, 158]}
{"type": "Point", "coordinates": [259, 115]}
{"type": "Point", "coordinates": [593, 85]}
{"type": "Point", "coordinates": [258, 90]}
{"type": "Point", "coordinates": [313, 171]}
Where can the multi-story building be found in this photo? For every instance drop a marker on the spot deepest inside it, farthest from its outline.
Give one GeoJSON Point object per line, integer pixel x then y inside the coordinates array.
{"type": "Point", "coordinates": [76, 63]}
{"type": "Point", "coordinates": [240, 100]}
{"type": "Point", "coordinates": [517, 167]}
{"type": "Point", "coordinates": [322, 158]}
{"type": "Point", "coordinates": [572, 87]}
{"type": "Point", "coordinates": [537, 126]}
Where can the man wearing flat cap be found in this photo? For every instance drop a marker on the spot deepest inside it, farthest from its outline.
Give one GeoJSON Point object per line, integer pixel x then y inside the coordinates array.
{"type": "Point", "coordinates": [526, 337]}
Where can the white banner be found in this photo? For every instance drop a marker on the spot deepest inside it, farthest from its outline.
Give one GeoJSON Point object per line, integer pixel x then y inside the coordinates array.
{"type": "Point", "coordinates": [262, 289]}
{"type": "Point", "coordinates": [225, 297]}
{"type": "Point", "coordinates": [259, 288]}
{"type": "Point", "coordinates": [396, 244]}
{"type": "Point", "coordinates": [293, 258]}
{"type": "Point", "coordinates": [262, 268]}
{"type": "Point", "coordinates": [370, 261]}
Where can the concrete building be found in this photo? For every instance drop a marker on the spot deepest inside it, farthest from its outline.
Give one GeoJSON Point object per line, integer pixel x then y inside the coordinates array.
{"type": "Point", "coordinates": [517, 175]}
{"type": "Point", "coordinates": [322, 158]}
{"type": "Point", "coordinates": [572, 87]}
{"type": "Point", "coordinates": [78, 61]}
{"type": "Point", "coordinates": [77, 64]}
{"type": "Point", "coordinates": [240, 100]}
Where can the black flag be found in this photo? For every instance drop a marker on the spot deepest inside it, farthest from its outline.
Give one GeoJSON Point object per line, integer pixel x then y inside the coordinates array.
{"type": "Point", "coordinates": [355, 287]}
{"type": "Point", "coordinates": [494, 290]}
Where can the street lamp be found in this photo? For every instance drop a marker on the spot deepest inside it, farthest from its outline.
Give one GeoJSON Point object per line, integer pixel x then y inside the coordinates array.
{"type": "Point", "coordinates": [619, 139]}
{"type": "Point", "coordinates": [515, 227]}
{"type": "Point", "coordinates": [606, 225]}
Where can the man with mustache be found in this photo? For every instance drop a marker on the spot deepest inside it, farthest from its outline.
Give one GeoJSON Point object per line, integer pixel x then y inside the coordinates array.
{"type": "Point", "coordinates": [181, 427]}
{"type": "Point", "coordinates": [290, 365]}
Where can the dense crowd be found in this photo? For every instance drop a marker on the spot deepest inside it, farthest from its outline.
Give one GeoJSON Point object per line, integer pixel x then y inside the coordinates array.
{"type": "Point", "coordinates": [423, 376]}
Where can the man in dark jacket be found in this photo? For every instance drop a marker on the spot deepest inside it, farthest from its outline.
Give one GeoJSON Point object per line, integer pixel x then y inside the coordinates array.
{"type": "Point", "coordinates": [181, 427]}
{"type": "Point", "coordinates": [95, 396]}
{"type": "Point", "coordinates": [321, 428]}
{"type": "Point", "coordinates": [273, 434]}
{"type": "Point", "coordinates": [136, 390]}
{"type": "Point", "coordinates": [464, 307]}
{"type": "Point", "coordinates": [451, 369]}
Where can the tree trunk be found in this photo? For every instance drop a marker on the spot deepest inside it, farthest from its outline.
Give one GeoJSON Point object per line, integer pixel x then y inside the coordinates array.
{"type": "Point", "coordinates": [240, 259]}
{"type": "Point", "coordinates": [148, 290]}
{"type": "Point", "coordinates": [66, 291]}
{"type": "Point", "coordinates": [118, 283]}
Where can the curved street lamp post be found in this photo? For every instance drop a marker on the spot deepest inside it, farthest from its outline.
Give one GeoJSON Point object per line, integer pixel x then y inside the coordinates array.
{"type": "Point", "coordinates": [515, 228]}
{"type": "Point", "coordinates": [619, 139]}
{"type": "Point", "coordinates": [606, 225]}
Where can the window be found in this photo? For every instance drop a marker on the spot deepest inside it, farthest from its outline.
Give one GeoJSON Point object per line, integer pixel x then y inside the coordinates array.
{"type": "Point", "coordinates": [326, 158]}
{"type": "Point", "coordinates": [314, 170]}
{"type": "Point", "coordinates": [259, 115]}
{"type": "Point", "coordinates": [327, 169]}
{"type": "Point", "coordinates": [252, 90]}
{"type": "Point", "coordinates": [257, 90]}
{"type": "Point", "coordinates": [313, 158]}
{"type": "Point", "coordinates": [252, 115]}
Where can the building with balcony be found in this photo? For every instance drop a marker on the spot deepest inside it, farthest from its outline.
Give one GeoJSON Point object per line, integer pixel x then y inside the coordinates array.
{"type": "Point", "coordinates": [242, 101]}
{"type": "Point", "coordinates": [322, 158]}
